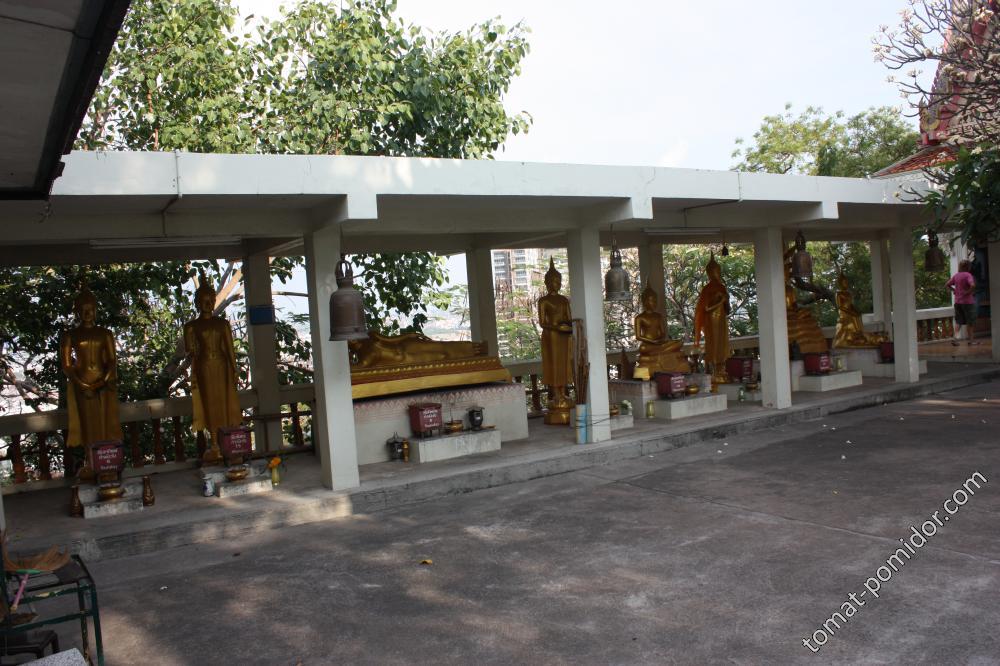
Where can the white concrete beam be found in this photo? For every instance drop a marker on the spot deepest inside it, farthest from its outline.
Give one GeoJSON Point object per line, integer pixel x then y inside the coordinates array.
{"type": "Point", "coordinates": [333, 420]}
{"type": "Point", "coordinates": [587, 302]}
{"type": "Point", "coordinates": [776, 383]}
{"type": "Point", "coordinates": [263, 350]}
{"type": "Point", "coordinates": [482, 299]}
{"type": "Point", "coordinates": [904, 305]}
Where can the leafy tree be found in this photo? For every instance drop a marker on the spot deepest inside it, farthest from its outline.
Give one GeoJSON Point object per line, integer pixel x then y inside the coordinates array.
{"type": "Point", "coordinates": [813, 143]}
{"type": "Point", "coordinates": [969, 195]}
{"type": "Point", "coordinates": [960, 41]}
{"type": "Point", "coordinates": [959, 106]}
{"type": "Point", "coordinates": [816, 144]}
{"type": "Point", "coordinates": [185, 76]}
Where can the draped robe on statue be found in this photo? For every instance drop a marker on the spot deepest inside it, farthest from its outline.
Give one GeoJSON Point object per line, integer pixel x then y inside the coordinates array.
{"type": "Point", "coordinates": [213, 374]}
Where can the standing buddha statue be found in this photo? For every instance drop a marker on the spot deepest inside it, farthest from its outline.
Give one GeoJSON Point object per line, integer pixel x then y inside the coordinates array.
{"type": "Point", "coordinates": [87, 356]}
{"type": "Point", "coordinates": [557, 344]}
{"type": "Point", "coordinates": [711, 317]}
{"type": "Point", "coordinates": [657, 353]}
{"type": "Point", "coordinates": [208, 340]}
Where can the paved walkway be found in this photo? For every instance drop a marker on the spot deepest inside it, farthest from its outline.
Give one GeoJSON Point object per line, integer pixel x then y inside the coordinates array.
{"type": "Point", "coordinates": [731, 550]}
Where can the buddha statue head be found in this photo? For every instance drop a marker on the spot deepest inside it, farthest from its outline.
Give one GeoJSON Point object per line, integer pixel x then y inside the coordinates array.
{"type": "Point", "coordinates": [649, 299]}
{"type": "Point", "coordinates": [713, 269]}
{"type": "Point", "coordinates": [842, 282]}
{"type": "Point", "coordinates": [85, 305]}
{"type": "Point", "coordinates": [553, 278]}
{"type": "Point", "coordinates": [204, 296]}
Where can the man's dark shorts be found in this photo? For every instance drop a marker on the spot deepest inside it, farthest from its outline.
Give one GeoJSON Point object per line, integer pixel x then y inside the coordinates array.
{"type": "Point", "coordinates": [965, 313]}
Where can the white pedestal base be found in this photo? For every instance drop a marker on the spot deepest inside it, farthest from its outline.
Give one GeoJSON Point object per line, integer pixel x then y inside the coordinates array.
{"type": "Point", "coordinates": [637, 392]}
{"type": "Point", "coordinates": [830, 382]}
{"type": "Point", "coordinates": [130, 502]}
{"type": "Point", "coordinates": [622, 421]}
{"type": "Point", "coordinates": [867, 361]}
{"type": "Point", "coordinates": [452, 446]}
{"type": "Point", "coordinates": [695, 405]}
{"type": "Point", "coordinates": [376, 419]}
{"type": "Point", "coordinates": [732, 393]}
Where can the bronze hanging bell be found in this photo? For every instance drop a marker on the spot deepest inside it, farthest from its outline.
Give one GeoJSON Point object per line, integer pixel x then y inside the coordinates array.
{"type": "Point", "coordinates": [616, 280]}
{"type": "Point", "coordinates": [802, 263]}
{"type": "Point", "coordinates": [934, 259]}
{"type": "Point", "coordinates": [347, 308]}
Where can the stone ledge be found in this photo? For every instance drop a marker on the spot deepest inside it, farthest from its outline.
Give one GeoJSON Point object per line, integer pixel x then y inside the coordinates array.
{"type": "Point", "coordinates": [695, 405]}
{"type": "Point", "coordinates": [456, 445]}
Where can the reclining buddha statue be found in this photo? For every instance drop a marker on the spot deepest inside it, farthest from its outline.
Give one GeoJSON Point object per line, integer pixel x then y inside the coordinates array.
{"type": "Point", "coordinates": [388, 364]}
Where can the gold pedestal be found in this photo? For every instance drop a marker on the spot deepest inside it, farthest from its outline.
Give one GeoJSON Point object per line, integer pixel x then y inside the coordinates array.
{"type": "Point", "coordinates": [558, 412]}
{"type": "Point", "coordinates": [238, 473]}
{"type": "Point", "coordinates": [110, 492]}
{"type": "Point", "coordinates": [213, 456]}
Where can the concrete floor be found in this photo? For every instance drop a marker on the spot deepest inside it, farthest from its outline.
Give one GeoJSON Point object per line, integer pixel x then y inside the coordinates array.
{"type": "Point", "coordinates": [724, 551]}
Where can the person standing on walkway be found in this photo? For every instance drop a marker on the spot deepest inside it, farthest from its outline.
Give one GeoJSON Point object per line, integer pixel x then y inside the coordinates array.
{"type": "Point", "coordinates": [962, 286]}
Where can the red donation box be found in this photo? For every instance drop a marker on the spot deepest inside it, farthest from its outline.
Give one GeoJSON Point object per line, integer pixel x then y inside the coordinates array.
{"type": "Point", "coordinates": [235, 441]}
{"type": "Point", "coordinates": [670, 384]}
{"type": "Point", "coordinates": [107, 456]}
{"type": "Point", "coordinates": [739, 368]}
{"type": "Point", "coordinates": [887, 352]}
{"type": "Point", "coordinates": [425, 418]}
{"type": "Point", "coordinates": [817, 364]}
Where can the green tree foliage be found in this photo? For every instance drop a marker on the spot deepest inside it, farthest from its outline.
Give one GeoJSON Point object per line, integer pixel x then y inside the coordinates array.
{"type": "Point", "coordinates": [817, 144]}
{"type": "Point", "coordinates": [814, 143]}
{"type": "Point", "coordinates": [185, 76]}
{"type": "Point", "coordinates": [968, 196]}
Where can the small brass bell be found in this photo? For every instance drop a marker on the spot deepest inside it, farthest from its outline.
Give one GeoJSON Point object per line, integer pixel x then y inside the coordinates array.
{"type": "Point", "coordinates": [347, 308]}
{"type": "Point", "coordinates": [802, 263]}
{"type": "Point", "coordinates": [616, 280]}
{"type": "Point", "coordinates": [934, 259]}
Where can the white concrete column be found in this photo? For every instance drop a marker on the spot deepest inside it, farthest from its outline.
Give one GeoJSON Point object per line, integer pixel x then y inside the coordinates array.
{"type": "Point", "coordinates": [957, 252]}
{"type": "Point", "coordinates": [878, 251]}
{"type": "Point", "coordinates": [772, 318]}
{"type": "Point", "coordinates": [994, 268]}
{"type": "Point", "coordinates": [587, 302]}
{"type": "Point", "coordinates": [904, 305]}
{"type": "Point", "coordinates": [651, 270]}
{"type": "Point", "coordinates": [263, 352]}
{"type": "Point", "coordinates": [333, 418]}
{"type": "Point", "coordinates": [482, 299]}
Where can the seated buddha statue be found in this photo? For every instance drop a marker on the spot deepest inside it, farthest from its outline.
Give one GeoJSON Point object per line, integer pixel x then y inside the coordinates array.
{"type": "Point", "coordinates": [803, 329]}
{"type": "Point", "coordinates": [850, 329]}
{"type": "Point", "coordinates": [657, 353]}
{"type": "Point", "coordinates": [409, 349]}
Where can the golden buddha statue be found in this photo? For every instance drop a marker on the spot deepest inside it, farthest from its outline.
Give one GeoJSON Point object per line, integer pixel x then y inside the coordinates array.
{"type": "Point", "coordinates": [850, 329]}
{"type": "Point", "coordinates": [87, 356]}
{"type": "Point", "coordinates": [409, 348]}
{"type": "Point", "coordinates": [389, 364]}
{"type": "Point", "coordinates": [557, 347]}
{"type": "Point", "coordinates": [711, 317]}
{"type": "Point", "coordinates": [208, 340]}
{"type": "Point", "coordinates": [803, 329]}
{"type": "Point", "coordinates": [656, 351]}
